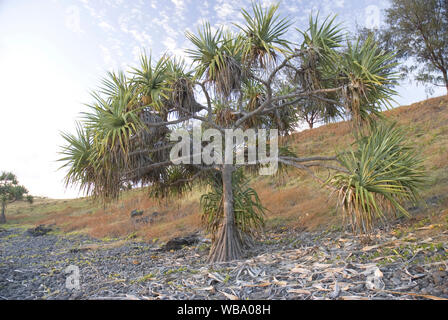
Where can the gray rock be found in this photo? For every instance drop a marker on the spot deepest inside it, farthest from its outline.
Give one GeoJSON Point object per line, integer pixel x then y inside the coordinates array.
{"type": "Point", "coordinates": [155, 214]}
{"type": "Point", "coordinates": [136, 213]}
{"type": "Point", "coordinates": [180, 242]}
{"type": "Point", "coordinates": [143, 220]}
{"type": "Point", "coordinates": [39, 230]}
{"type": "Point", "coordinates": [434, 200]}
{"type": "Point", "coordinates": [437, 278]}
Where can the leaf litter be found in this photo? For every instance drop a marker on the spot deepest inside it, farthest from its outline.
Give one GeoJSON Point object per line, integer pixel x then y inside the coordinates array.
{"type": "Point", "coordinates": [287, 265]}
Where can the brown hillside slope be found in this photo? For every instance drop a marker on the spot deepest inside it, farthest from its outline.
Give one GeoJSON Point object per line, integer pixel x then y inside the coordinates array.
{"type": "Point", "coordinates": [294, 200]}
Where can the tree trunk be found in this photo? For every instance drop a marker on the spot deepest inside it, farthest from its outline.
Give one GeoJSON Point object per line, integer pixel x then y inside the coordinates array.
{"type": "Point", "coordinates": [3, 217]}
{"type": "Point", "coordinates": [310, 123]}
{"type": "Point", "coordinates": [445, 78]}
{"type": "Point", "coordinates": [228, 245]}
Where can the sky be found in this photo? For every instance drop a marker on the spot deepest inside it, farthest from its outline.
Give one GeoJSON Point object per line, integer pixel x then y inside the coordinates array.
{"type": "Point", "coordinates": [53, 53]}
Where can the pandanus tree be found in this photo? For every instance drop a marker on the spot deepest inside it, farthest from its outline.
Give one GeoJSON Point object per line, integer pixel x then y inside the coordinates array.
{"type": "Point", "coordinates": [251, 78]}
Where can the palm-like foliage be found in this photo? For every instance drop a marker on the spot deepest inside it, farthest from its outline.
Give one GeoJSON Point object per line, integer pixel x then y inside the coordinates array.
{"type": "Point", "coordinates": [111, 123]}
{"type": "Point", "coordinates": [318, 60]}
{"type": "Point", "coordinates": [181, 87]}
{"type": "Point", "coordinates": [77, 155]}
{"type": "Point", "coordinates": [114, 84]}
{"type": "Point", "coordinates": [285, 118]}
{"type": "Point", "coordinates": [114, 123]}
{"type": "Point", "coordinates": [249, 212]}
{"type": "Point", "coordinates": [207, 54]}
{"type": "Point", "coordinates": [322, 38]}
{"type": "Point", "coordinates": [253, 96]}
{"type": "Point", "coordinates": [125, 135]}
{"type": "Point", "coordinates": [384, 172]}
{"type": "Point", "coordinates": [151, 82]}
{"type": "Point", "coordinates": [319, 46]}
{"type": "Point", "coordinates": [264, 31]}
{"type": "Point", "coordinates": [176, 181]}
{"type": "Point", "coordinates": [367, 73]}
{"type": "Point", "coordinates": [217, 57]}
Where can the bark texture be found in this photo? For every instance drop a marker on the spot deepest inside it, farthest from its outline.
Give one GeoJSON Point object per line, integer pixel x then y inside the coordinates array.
{"type": "Point", "coordinates": [228, 245]}
{"type": "Point", "coordinates": [2, 216]}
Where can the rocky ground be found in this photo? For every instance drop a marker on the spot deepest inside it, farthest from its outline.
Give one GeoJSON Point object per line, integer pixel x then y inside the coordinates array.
{"type": "Point", "coordinates": [282, 265]}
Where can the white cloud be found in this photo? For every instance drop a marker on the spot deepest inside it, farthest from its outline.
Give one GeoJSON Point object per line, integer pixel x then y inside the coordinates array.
{"type": "Point", "coordinates": [293, 8]}
{"type": "Point", "coordinates": [123, 23]}
{"type": "Point", "coordinates": [179, 4]}
{"type": "Point", "coordinates": [170, 43]}
{"type": "Point", "coordinates": [106, 26]}
{"type": "Point", "coordinates": [136, 52]}
{"type": "Point", "coordinates": [180, 9]}
{"type": "Point", "coordinates": [340, 3]}
{"type": "Point", "coordinates": [107, 57]}
{"type": "Point", "coordinates": [141, 37]}
{"type": "Point", "coordinates": [267, 3]}
{"type": "Point", "coordinates": [225, 10]}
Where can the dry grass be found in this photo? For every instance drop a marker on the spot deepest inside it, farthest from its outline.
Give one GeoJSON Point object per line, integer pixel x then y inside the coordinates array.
{"type": "Point", "coordinates": [294, 201]}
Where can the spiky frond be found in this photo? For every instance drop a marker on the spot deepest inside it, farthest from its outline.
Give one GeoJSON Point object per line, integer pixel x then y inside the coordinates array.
{"type": "Point", "coordinates": [114, 84]}
{"type": "Point", "coordinates": [181, 84]}
{"type": "Point", "coordinates": [207, 53]}
{"type": "Point", "coordinates": [368, 77]}
{"type": "Point", "coordinates": [384, 172]}
{"type": "Point", "coordinates": [322, 37]}
{"type": "Point", "coordinates": [264, 31]}
{"type": "Point", "coordinates": [151, 81]}
{"type": "Point", "coordinates": [111, 126]}
{"type": "Point", "coordinates": [76, 155]}
{"type": "Point", "coordinates": [218, 59]}
{"type": "Point", "coordinates": [254, 94]}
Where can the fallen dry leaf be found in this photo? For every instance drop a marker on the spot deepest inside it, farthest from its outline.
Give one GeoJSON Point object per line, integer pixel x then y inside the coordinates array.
{"type": "Point", "coordinates": [299, 291]}
{"type": "Point", "coordinates": [279, 283]}
{"type": "Point", "coordinates": [264, 284]}
{"type": "Point", "coordinates": [353, 298]}
{"type": "Point", "coordinates": [300, 270]}
{"type": "Point", "coordinates": [368, 248]}
{"type": "Point", "coordinates": [230, 296]}
{"type": "Point", "coordinates": [427, 296]}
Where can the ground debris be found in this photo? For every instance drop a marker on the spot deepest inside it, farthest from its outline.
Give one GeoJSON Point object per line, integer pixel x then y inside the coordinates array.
{"type": "Point", "coordinates": [39, 230]}
{"type": "Point", "coordinates": [180, 242]}
{"type": "Point", "coordinates": [325, 265]}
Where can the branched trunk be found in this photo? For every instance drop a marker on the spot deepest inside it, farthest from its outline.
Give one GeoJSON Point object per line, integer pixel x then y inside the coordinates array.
{"type": "Point", "coordinates": [3, 217]}
{"type": "Point", "coordinates": [310, 124]}
{"type": "Point", "coordinates": [228, 245]}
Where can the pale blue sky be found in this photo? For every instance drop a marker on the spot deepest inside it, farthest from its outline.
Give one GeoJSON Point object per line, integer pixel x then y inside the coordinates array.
{"type": "Point", "coordinates": [53, 52]}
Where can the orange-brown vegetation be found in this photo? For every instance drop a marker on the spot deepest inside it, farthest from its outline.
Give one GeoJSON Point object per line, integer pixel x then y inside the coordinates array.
{"type": "Point", "coordinates": [294, 200]}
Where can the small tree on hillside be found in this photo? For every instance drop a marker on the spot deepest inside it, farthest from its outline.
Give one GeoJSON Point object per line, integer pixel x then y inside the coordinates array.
{"type": "Point", "coordinates": [11, 191]}
{"type": "Point", "coordinates": [236, 83]}
{"type": "Point", "coordinates": [418, 29]}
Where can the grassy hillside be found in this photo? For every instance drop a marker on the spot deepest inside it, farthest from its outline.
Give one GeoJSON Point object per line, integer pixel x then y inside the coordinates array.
{"type": "Point", "coordinates": [294, 201]}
